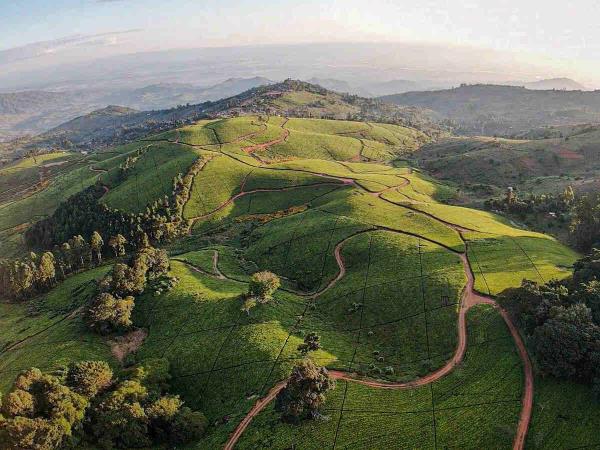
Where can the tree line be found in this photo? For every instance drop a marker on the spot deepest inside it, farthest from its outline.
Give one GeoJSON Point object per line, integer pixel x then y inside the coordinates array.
{"type": "Point", "coordinates": [580, 212]}
{"type": "Point", "coordinates": [37, 273]}
{"type": "Point", "coordinates": [561, 320]}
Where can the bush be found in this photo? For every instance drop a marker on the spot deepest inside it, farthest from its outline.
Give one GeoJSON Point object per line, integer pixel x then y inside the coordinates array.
{"type": "Point", "coordinates": [263, 285]}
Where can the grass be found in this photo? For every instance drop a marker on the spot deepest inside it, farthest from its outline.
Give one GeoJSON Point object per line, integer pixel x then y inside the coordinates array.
{"type": "Point", "coordinates": [53, 335]}
{"type": "Point", "coordinates": [17, 178]}
{"type": "Point", "coordinates": [362, 417]}
{"type": "Point", "coordinates": [500, 262]}
{"type": "Point", "coordinates": [151, 177]}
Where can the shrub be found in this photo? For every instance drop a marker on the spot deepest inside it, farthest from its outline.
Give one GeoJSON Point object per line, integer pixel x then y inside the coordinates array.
{"type": "Point", "coordinates": [187, 426]}
{"type": "Point", "coordinates": [263, 285]}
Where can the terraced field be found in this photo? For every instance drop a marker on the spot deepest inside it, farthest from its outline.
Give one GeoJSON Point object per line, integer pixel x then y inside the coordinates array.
{"type": "Point", "coordinates": [390, 277]}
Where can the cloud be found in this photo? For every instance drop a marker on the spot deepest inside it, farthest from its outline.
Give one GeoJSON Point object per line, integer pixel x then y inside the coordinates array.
{"type": "Point", "coordinates": [43, 48]}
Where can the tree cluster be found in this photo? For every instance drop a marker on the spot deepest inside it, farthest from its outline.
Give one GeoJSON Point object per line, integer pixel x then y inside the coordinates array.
{"type": "Point", "coordinates": [560, 204]}
{"type": "Point", "coordinates": [562, 321]}
{"type": "Point", "coordinates": [87, 403]}
{"type": "Point", "coordinates": [35, 274]}
{"type": "Point", "coordinates": [111, 309]}
{"type": "Point", "coordinates": [83, 213]}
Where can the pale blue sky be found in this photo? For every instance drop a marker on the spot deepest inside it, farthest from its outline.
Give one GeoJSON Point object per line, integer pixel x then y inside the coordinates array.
{"type": "Point", "coordinates": [566, 37]}
{"type": "Point", "coordinates": [530, 25]}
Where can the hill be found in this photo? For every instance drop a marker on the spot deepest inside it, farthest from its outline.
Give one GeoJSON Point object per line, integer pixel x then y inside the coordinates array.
{"type": "Point", "coordinates": [559, 156]}
{"type": "Point", "coordinates": [371, 258]}
{"type": "Point", "coordinates": [117, 125]}
{"type": "Point", "coordinates": [504, 110]}
{"type": "Point", "coordinates": [29, 113]}
{"type": "Point", "coordinates": [562, 84]}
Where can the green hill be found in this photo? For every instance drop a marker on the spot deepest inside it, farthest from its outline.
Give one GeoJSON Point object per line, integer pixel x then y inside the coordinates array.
{"type": "Point", "coordinates": [569, 156]}
{"type": "Point", "coordinates": [370, 256]}
{"type": "Point", "coordinates": [504, 110]}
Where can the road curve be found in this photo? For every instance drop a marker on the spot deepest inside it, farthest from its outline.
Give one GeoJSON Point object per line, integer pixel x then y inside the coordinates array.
{"type": "Point", "coordinates": [469, 299]}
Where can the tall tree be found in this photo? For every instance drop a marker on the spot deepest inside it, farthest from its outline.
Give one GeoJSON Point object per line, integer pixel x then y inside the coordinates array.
{"type": "Point", "coordinates": [96, 244]}
{"type": "Point", "coordinates": [47, 270]}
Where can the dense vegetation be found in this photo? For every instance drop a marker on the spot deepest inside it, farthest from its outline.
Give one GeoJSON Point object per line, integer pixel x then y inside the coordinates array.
{"type": "Point", "coordinates": [562, 320]}
{"type": "Point", "coordinates": [87, 404]}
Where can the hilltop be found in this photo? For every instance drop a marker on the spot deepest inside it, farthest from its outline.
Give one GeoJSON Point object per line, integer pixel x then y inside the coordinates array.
{"type": "Point", "coordinates": [117, 125]}
{"type": "Point", "coordinates": [504, 110]}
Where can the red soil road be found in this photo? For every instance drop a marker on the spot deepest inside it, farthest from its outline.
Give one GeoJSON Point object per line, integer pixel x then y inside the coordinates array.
{"type": "Point", "coordinates": [254, 191]}
{"type": "Point", "coordinates": [257, 408]}
{"type": "Point", "coordinates": [284, 135]}
{"type": "Point", "coordinates": [469, 298]}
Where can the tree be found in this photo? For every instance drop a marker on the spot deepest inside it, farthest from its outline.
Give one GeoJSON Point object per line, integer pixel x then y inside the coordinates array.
{"type": "Point", "coordinates": [117, 243]}
{"type": "Point", "coordinates": [96, 244]}
{"type": "Point", "coordinates": [23, 433]}
{"type": "Point", "coordinates": [66, 253]}
{"type": "Point", "coordinates": [18, 403]}
{"type": "Point", "coordinates": [585, 223]}
{"type": "Point", "coordinates": [41, 412]}
{"type": "Point", "coordinates": [187, 426]}
{"type": "Point", "coordinates": [311, 343]}
{"type": "Point", "coordinates": [124, 280]}
{"type": "Point", "coordinates": [88, 378]}
{"type": "Point", "coordinates": [119, 420]}
{"type": "Point", "coordinates": [305, 391]}
{"type": "Point", "coordinates": [108, 313]}
{"type": "Point", "coordinates": [80, 249]}
{"type": "Point", "coordinates": [263, 285]}
{"type": "Point", "coordinates": [47, 270]}
{"type": "Point", "coordinates": [564, 344]}
{"type": "Point", "coordinates": [589, 294]}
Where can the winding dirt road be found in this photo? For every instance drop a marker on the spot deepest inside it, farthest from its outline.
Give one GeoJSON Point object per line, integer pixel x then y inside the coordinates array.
{"type": "Point", "coordinates": [469, 299]}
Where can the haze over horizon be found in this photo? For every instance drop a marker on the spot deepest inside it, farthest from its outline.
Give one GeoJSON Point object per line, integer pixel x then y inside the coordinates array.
{"type": "Point", "coordinates": [511, 41]}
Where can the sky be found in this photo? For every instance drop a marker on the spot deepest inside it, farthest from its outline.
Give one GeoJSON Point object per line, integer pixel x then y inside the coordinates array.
{"type": "Point", "coordinates": [568, 36]}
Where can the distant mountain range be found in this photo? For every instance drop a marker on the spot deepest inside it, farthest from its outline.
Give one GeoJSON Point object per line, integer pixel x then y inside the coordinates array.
{"type": "Point", "coordinates": [505, 110]}
{"type": "Point", "coordinates": [34, 112]}
{"type": "Point", "coordinates": [377, 89]}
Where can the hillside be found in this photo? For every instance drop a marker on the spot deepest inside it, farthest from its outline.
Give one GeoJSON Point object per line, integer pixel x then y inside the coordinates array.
{"type": "Point", "coordinates": [370, 255]}
{"type": "Point", "coordinates": [565, 84]}
{"type": "Point", "coordinates": [28, 113]}
{"type": "Point", "coordinates": [504, 110]}
{"type": "Point", "coordinates": [117, 125]}
{"type": "Point", "coordinates": [568, 157]}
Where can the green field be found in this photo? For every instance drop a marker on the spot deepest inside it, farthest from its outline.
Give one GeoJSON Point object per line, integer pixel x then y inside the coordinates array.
{"type": "Point", "coordinates": [287, 207]}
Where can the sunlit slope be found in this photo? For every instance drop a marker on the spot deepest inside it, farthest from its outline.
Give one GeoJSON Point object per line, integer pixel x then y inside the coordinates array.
{"type": "Point", "coordinates": [369, 256]}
